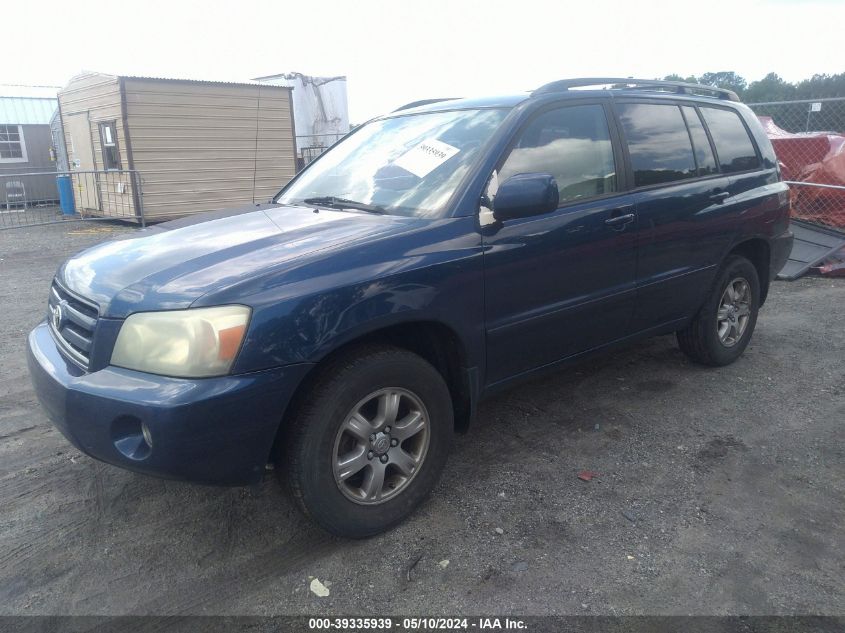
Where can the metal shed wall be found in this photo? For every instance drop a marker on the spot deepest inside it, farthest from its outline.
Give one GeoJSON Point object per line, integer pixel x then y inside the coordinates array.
{"type": "Point", "coordinates": [203, 146]}
{"type": "Point", "coordinates": [32, 116]}
{"type": "Point", "coordinates": [39, 189]}
{"type": "Point", "coordinates": [88, 100]}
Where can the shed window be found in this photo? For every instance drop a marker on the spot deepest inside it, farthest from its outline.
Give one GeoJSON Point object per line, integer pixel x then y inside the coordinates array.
{"type": "Point", "coordinates": [108, 139]}
{"type": "Point", "coordinates": [12, 146]}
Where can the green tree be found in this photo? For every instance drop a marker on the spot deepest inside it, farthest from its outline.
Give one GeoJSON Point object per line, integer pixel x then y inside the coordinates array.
{"type": "Point", "coordinates": [770, 88]}
{"type": "Point", "coordinates": [692, 79]}
{"type": "Point", "coordinates": [724, 79]}
{"type": "Point", "coordinates": [821, 87]}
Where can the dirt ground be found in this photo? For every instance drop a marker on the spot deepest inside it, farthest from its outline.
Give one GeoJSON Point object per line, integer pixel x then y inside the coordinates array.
{"type": "Point", "coordinates": [720, 491]}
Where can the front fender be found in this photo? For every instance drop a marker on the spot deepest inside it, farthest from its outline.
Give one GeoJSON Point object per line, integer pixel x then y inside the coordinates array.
{"type": "Point", "coordinates": [432, 275]}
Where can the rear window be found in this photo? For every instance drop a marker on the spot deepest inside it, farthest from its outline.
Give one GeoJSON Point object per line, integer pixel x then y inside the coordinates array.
{"type": "Point", "coordinates": [733, 145]}
{"type": "Point", "coordinates": [658, 143]}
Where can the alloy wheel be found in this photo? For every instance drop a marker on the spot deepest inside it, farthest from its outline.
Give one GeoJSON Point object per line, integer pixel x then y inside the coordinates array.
{"type": "Point", "coordinates": [381, 445]}
{"type": "Point", "coordinates": [734, 312]}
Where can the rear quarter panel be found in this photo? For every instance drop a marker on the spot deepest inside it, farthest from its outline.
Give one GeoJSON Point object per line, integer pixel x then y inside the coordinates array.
{"type": "Point", "coordinates": [761, 197]}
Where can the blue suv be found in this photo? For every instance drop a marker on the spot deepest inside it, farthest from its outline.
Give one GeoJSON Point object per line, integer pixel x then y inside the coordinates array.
{"type": "Point", "coordinates": [345, 330]}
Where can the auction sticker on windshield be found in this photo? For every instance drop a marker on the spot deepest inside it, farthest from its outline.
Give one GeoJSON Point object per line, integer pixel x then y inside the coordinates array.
{"type": "Point", "coordinates": [425, 157]}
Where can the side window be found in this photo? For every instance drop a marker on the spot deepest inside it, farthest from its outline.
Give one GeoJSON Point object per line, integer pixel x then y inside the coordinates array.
{"type": "Point", "coordinates": [733, 145]}
{"type": "Point", "coordinates": [658, 143]}
{"type": "Point", "coordinates": [700, 143]}
{"type": "Point", "coordinates": [570, 143]}
{"type": "Point", "coordinates": [108, 139]}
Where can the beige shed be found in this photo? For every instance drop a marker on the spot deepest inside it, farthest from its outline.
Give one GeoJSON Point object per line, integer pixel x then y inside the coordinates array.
{"type": "Point", "coordinates": [195, 145]}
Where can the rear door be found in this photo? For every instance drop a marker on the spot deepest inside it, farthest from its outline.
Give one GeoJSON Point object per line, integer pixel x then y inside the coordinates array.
{"type": "Point", "coordinates": [683, 208]}
{"type": "Point", "coordinates": [563, 282]}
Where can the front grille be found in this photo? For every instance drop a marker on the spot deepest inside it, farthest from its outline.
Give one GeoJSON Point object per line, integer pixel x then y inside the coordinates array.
{"type": "Point", "coordinates": [72, 321]}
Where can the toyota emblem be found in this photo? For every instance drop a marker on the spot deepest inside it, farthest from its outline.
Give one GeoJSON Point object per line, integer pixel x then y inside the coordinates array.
{"type": "Point", "coordinates": [57, 316]}
{"type": "Point", "coordinates": [381, 444]}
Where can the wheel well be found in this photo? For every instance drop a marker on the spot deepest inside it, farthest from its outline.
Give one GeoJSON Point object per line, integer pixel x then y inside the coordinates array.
{"type": "Point", "coordinates": [757, 252]}
{"type": "Point", "coordinates": [435, 342]}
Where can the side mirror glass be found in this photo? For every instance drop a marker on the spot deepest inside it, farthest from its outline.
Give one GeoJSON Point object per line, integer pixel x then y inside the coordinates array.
{"type": "Point", "coordinates": [525, 195]}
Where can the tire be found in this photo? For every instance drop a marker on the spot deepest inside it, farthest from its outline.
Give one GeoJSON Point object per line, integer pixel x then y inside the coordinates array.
{"type": "Point", "coordinates": [702, 340]}
{"type": "Point", "coordinates": [368, 379]}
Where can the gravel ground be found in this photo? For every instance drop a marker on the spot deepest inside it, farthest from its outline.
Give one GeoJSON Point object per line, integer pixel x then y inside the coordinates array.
{"type": "Point", "coordinates": [720, 491]}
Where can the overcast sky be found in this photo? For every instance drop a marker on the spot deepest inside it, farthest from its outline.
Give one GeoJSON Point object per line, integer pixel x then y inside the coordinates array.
{"type": "Point", "coordinates": [395, 52]}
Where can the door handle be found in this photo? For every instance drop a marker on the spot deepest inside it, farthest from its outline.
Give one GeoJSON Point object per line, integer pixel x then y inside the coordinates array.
{"type": "Point", "coordinates": [720, 197]}
{"type": "Point", "coordinates": [620, 220]}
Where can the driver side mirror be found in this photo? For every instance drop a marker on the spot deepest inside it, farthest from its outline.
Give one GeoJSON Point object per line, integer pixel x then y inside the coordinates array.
{"type": "Point", "coordinates": [524, 195]}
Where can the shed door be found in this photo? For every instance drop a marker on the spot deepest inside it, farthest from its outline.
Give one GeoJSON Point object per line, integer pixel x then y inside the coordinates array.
{"type": "Point", "coordinates": [86, 189]}
{"type": "Point", "coordinates": [81, 150]}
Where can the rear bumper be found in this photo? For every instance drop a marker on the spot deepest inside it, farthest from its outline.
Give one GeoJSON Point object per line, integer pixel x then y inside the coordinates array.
{"type": "Point", "coordinates": [781, 247]}
{"type": "Point", "coordinates": [209, 430]}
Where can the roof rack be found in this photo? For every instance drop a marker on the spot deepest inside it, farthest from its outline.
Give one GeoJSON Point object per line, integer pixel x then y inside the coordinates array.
{"type": "Point", "coordinates": [678, 87]}
{"type": "Point", "coordinates": [423, 102]}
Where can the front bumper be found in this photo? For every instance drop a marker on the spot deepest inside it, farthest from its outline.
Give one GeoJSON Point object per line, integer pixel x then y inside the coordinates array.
{"type": "Point", "coordinates": [208, 430]}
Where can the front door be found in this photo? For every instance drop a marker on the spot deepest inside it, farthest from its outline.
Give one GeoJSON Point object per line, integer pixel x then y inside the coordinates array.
{"type": "Point", "coordinates": [564, 282]}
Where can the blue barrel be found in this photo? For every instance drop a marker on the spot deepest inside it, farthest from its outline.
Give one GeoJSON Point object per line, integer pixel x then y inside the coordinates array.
{"type": "Point", "coordinates": [65, 185]}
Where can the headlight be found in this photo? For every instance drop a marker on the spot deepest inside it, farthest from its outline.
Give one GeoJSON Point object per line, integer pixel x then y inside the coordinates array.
{"type": "Point", "coordinates": [182, 343]}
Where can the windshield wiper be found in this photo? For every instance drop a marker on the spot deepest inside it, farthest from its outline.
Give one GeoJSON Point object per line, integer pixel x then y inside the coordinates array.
{"type": "Point", "coordinates": [343, 203]}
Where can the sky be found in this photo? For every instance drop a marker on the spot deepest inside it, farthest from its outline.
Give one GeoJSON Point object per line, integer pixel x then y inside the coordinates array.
{"type": "Point", "coordinates": [396, 52]}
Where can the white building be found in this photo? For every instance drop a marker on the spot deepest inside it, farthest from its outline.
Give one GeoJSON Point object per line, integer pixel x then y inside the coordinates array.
{"type": "Point", "coordinates": [320, 111]}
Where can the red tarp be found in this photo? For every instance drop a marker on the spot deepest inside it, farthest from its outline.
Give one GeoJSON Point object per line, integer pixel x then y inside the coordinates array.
{"type": "Point", "coordinates": [817, 157]}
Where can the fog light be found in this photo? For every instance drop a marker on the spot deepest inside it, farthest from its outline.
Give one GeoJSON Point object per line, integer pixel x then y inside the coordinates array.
{"type": "Point", "coordinates": [131, 437]}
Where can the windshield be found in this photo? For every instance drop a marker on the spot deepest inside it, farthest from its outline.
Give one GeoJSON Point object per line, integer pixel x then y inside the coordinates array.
{"type": "Point", "coordinates": [405, 165]}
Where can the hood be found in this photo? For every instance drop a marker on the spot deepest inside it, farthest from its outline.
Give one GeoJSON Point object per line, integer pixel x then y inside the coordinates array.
{"type": "Point", "coordinates": [171, 265]}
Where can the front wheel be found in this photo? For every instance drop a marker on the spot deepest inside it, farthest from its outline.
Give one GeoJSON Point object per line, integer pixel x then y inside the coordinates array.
{"type": "Point", "coordinates": [722, 329]}
{"type": "Point", "coordinates": [369, 440]}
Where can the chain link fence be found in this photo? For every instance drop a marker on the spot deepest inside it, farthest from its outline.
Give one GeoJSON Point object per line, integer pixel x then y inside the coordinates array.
{"type": "Point", "coordinates": [46, 197]}
{"type": "Point", "coordinates": [809, 140]}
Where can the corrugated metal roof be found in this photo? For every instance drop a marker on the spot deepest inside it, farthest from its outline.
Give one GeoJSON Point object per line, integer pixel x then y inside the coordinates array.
{"type": "Point", "coordinates": [216, 82]}
{"type": "Point", "coordinates": [204, 81]}
{"type": "Point", "coordinates": [26, 110]}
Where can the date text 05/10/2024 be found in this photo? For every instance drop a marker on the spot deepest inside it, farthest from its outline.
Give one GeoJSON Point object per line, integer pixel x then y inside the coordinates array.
{"type": "Point", "coordinates": [417, 624]}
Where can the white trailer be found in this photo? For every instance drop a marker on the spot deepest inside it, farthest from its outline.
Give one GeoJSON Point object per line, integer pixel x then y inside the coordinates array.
{"type": "Point", "coordinates": [320, 111]}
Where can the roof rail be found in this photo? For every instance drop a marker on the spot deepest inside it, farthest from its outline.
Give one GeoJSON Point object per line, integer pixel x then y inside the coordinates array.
{"type": "Point", "coordinates": [422, 102]}
{"type": "Point", "coordinates": [679, 87]}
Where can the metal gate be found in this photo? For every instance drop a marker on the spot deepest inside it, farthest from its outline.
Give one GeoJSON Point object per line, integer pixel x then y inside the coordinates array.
{"type": "Point", "coordinates": [309, 147]}
{"type": "Point", "coordinates": [48, 197]}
